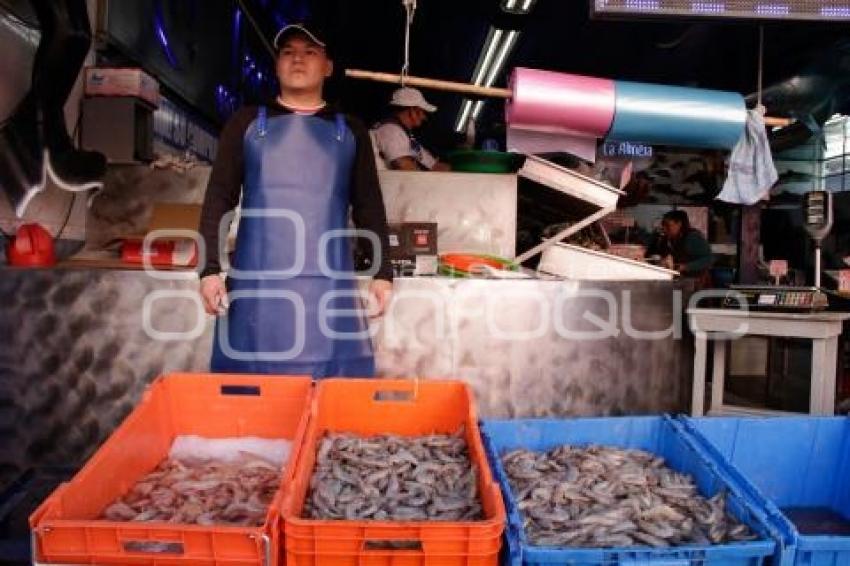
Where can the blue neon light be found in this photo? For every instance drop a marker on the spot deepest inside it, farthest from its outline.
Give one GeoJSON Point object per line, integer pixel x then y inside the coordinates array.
{"type": "Point", "coordinates": [162, 36]}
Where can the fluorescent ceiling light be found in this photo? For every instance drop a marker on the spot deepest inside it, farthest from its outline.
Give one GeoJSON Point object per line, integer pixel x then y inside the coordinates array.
{"type": "Point", "coordinates": [493, 73]}
{"type": "Point", "coordinates": [499, 62]}
{"type": "Point", "coordinates": [518, 6]}
{"type": "Point", "coordinates": [463, 117]}
{"type": "Point", "coordinates": [497, 48]}
{"type": "Point", "coordinates": [491, 45]}
{"type": "Point", "coordinates": [477, 109]}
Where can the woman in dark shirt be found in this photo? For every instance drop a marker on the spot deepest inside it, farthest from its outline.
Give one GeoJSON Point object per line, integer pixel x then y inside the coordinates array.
{"type": "Point", "coordinates": [681, 247]}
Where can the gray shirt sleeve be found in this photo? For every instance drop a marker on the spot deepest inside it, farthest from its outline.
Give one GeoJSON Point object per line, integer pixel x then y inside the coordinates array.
{"type": "Point", "coordinates": [394, 143]}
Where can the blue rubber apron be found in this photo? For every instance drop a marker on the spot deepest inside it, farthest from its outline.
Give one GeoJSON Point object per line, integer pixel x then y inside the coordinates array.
{"type": "Point", "coordinates": [293, 307]}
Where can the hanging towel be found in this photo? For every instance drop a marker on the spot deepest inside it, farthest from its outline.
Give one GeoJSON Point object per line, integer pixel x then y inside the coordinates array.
{"type": "Point", "coordinates": [751, 169]}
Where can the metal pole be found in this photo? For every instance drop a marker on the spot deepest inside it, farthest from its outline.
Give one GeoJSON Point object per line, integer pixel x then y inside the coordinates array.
{"type": "Point", "coordinates": [817, 265]}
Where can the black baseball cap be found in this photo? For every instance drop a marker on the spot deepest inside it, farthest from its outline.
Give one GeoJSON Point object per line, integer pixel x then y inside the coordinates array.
{"type": "Point", "coordinates": [310, 31]}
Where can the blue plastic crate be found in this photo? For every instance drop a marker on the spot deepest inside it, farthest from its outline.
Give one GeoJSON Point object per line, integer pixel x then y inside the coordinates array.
{"type": "Point", "coordinates": [660, 435]}
{"type": "Point", "coordinates": [788, 463]}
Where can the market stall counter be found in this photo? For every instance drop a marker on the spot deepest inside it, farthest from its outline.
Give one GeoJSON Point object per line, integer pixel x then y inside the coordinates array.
{"type": "Point", "coordinates": [82, 344]}
{"type": "Point", "coordinates": [85, 342]}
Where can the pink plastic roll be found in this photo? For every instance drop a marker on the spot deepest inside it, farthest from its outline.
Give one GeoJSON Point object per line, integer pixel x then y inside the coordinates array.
{"type": "Point", "coordinates": [560, 103]}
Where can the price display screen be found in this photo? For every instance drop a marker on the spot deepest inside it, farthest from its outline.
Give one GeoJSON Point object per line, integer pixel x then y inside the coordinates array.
{"type": "Point", "coordinates": [767, 300]}
{"type": "Point", "coordinates": [810, 10]}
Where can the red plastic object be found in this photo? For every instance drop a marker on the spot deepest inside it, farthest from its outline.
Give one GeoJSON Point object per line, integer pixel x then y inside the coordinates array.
{"type": "Point", "coordinates": [66, 529]}
{"type": "Point", "coordinates": [32, 246]}
{"type": "Point", "coordinates": [468, 262]}
{"type": "Point", "coordinates": [383, 406]}
{"type": "Point", "coordinates": [160, 252]}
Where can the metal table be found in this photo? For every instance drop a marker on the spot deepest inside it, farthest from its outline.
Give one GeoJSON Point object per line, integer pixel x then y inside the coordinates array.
{"type": "Point", "coordinates": [721, 325]}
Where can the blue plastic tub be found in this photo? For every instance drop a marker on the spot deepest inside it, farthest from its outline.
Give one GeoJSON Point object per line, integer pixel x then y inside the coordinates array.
{"type": "Point", "coordinates": [788, 464]}
{"type": "Point", "coordinates": [660, 435]}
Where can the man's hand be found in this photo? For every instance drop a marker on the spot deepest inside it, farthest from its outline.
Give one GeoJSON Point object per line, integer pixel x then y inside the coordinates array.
{"type": "Point", "coordinates": [405, 164]}
{"type": "Point", "coordinates": [213, 294]}
{"type": "Point", "coordinates": [668, 262]}
{"type": "Point", "coordinates": [441, 166]}
{"type": "Point", "coordinates": [380, 291]}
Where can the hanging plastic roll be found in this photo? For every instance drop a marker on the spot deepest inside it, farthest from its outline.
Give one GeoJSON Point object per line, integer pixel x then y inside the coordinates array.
{"type": "Point", "coordinates": [624, 111]}
{"type": "Point", "coordinates": [679, 116]}
{"type": "Point", "coordinates": [584, 108]}
{"type": "Point", "coordinates": [560, 103]}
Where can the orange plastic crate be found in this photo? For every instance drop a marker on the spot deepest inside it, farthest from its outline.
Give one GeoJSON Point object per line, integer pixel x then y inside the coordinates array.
{"type": "Point", "coordinates": [382, 406]}
{"type": "Point", "coordinates": [210, 405]}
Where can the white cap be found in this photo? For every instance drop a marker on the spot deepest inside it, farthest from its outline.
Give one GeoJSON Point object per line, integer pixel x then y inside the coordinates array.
{"type": "Point", "coordinates": [410, 97]}
{"type": "Point", "coordinates": [292, 28]}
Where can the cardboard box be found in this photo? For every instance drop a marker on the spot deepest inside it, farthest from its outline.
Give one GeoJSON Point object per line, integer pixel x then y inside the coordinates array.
{"type": "Point", "coordinates": [114, 81]}
{"type": "Point", "coordinates": [175, 216]}
{"type": "Point", "coordinates": [119, 127]}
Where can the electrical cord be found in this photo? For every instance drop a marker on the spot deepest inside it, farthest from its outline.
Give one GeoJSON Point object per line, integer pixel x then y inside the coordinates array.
{"type": "Point", "coordinates": [67, 217]}
{"type": "Point", "coordinates": [410, 13]}
{"type": "Point", "coordinates": [62, 227]}
{"type": "Point", "coordinates": [16, 19]}
{"type": "Point", "coordinates": [75, 132]}
{"type": "Point", "coordinates": [761, 64]}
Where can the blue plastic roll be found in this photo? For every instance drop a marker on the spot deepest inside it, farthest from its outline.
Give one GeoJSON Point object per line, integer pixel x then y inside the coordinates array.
{"type": "Point", "coordinates": [678, 116]}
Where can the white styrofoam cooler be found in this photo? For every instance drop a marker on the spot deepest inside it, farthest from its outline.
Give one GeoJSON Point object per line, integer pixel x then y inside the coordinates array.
{"type": "Point", "coordinates": [574, 262]}
{"type": "Point", "coordinates": [474, 212]}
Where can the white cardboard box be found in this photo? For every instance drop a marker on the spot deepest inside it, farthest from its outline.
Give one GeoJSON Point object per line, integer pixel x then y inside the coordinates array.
{"type": "Point", "coordinates": [115, 81]}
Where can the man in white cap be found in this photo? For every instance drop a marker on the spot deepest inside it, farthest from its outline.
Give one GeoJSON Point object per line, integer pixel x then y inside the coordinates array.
{"type": "Point", "coordinates": [395, 146]}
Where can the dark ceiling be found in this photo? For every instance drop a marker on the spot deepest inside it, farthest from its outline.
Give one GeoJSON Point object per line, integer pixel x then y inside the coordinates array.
{"type": "Point", "coordinates": [448, 36]}
{"type": "Point", "coordinates": [559, 35]}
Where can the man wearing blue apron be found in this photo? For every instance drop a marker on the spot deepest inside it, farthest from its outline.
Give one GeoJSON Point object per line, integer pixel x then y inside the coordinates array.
{"type": "Point", "coordinates": [292, 305]}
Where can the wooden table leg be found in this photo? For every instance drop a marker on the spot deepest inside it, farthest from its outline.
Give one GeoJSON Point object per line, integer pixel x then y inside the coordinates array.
{"type": "Point", "coordinates": [824, 365]}
{"type": "Point", "coordinates": [718, 375]}
{"type": "Point", "coordinates": [698, 393]}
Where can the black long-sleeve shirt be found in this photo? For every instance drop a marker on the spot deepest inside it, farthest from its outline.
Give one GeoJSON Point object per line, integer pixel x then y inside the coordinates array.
{"type": "Point", "coordinates": [225, 184]}
{"type": "Point", "coordinates": [691, 251]}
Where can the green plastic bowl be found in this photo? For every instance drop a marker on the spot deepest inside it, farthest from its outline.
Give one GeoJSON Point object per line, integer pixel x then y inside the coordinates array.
{"type": "Point", "coordinates": [474, 161]}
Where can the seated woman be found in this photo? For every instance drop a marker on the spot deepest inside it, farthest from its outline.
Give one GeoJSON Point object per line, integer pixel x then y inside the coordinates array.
{"type": "Point", "coordinates": [682, 247]}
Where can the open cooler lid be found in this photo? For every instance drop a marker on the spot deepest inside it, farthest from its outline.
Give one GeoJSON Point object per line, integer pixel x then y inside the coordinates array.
{"type": "Point", "coordinates": [553, 194]}
{"type": "Point", "coordinates": [567, 186]}
{"type": "Point", "coordinates": [575, 262]}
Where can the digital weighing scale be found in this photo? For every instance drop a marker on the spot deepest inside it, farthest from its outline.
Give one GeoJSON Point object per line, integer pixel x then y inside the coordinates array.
{"type": "Point", "coordinates": [817, 220]}
{"type": "Point", "coordinates": [767, 297]}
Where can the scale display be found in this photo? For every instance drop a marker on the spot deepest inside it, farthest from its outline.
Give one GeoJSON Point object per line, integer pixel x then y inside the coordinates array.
{"type": "Point", "coordinates": [810, 10]}
{"type": "Point", "coordinates": [799, 299]}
